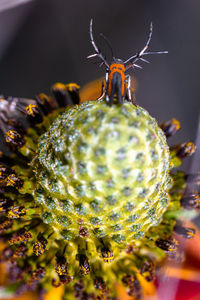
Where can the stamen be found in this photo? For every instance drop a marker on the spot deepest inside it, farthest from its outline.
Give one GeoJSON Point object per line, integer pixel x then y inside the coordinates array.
{"type": "Point", "coordinates": [60, 93]}
{"type": "Point", "coordinates": [107, 255]}
{"type": "Point", "coordinates": [22, 236]}
{"type": "Point", "coordinates": [170, 127]}
{"type": "Point", "coordinates": [186, 232]}
{"type": "Point", "coordinates": [84, 265]}
{"type": "Point", "coordinates": [39, 247]}
{"type": "Point", "coordinates": [184, 150]}
{"type": "Point", "coordinates": [14, 140]}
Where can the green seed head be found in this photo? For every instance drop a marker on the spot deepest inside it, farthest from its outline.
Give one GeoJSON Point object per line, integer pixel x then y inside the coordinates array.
{"type": "Point", "coordinates": [104, 167]}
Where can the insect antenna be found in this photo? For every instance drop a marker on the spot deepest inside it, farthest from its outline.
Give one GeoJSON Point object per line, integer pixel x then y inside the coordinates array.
{"type": "Point", "coordinates": [138, 56]}
{"type": "Point", "coordinates": [97, 50]}
{"type": "Point", "coordinates": [109, 44]}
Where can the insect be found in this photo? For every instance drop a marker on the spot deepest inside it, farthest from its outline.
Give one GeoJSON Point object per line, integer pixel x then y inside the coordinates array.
{"type": "Point", "coordinates": [116, 83]}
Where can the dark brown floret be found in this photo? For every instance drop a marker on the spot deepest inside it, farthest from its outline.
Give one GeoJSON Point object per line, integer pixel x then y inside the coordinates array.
{"type": "Point", "coordinates": [84, 265]}
{"type": "Point", "coordinates": [61, 266]}
{"type": "Point", "coordinates": [131, 248]}
{"type": "Point", "coordinates": [191, 200]}
{"type": "Point", "coordinates": [39, 247]}
{"type": "Point", "coordinates": [61, 95]}
{"type": "Point", "coordinates": [14, 140]}
{"type": "Point", "coordinates": [147, 270]}
{"type": "Point", "coordinates": [16, 212]}
{"type": "Point", "coordinates": [21, 236]}
{"type": "Point", "coordinates": [186, 232]}
{"type": "Point", "coordinates": [107, 255]}
{"type": "Point", "coordinates": [5, 224]}
{"type": "Point", "coordinates": [5, 203]}
{"type": "Point", "coordinates": [170, 246]}
{"type": "Point", "coordinates": [33, 114]}
{"type": "Point", "coordinates": [6, 254]}
{"type": "Point", "coordinates": [83, 232]}
{"type": "Point", "coordinates": [13, 181]}
{"type": "Point", "coordinates": [170, 127]}
{"type": "Point", "coordinates": [36, 276]}
{"type": "Point", "coordinates": [46, 103]}
{"type": "Point", "coordinates": [79, 288]}
{"type": "Point", "coordinates": [20, 251]}
{"type": "Point", "coordinates": [73, 90]}
{"type": "Point", "coordinates": [134, 288]}
{"type": "Point", "coordinates": [4, 172]}
{"type": "Point", "coordinates": [99, 283]}
{"type": "Point", "coordinates": [184, 150]}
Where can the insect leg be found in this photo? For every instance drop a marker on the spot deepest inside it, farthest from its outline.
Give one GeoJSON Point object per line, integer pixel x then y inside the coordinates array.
{"type": "Point", "coordinates": [129, 95]}
{"type": "Point", "coordinates": [103, 90]}
{"type": "Point", "coordinates": [128, 80]}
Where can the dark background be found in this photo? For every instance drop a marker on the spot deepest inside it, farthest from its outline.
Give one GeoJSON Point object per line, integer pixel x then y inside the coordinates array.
{"type": "Point", "coordinates": [45, 41]}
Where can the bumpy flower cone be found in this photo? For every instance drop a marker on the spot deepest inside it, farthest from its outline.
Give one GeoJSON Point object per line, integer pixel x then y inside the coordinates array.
{"type": "Point", "coordinates": [89, 199]}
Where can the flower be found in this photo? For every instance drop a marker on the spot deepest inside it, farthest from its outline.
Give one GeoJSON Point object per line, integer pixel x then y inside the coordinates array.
{"type": "Point", "coordinates": [58, 232]}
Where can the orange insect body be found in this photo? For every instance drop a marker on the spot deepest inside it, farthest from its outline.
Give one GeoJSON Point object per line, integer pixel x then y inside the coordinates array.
{"type": "Point", "coordinates": [113, 69]}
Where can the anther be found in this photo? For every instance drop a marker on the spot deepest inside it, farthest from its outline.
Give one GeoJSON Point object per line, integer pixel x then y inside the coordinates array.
{"type": "Point", "coordinates": [37, 275]}
{"type": "Point", "coordinates": [170, 246]}
{"type": "Point", "coordinates": [79, 288]}
{"type": "Point", "coordinates": [13, 181]}
{"type": "Point", "coordinates": [84, 265]}
{"type": "Point", "coordinates": [46, 103]}
{"type": "Point", "coordinates": [73, 90]}
{"type": "Point", "coordinates": [4, 172]}
{"type": "Point", "coordinates": [184, 150]}
{"type": "Point", "coordinates": [6, 254]}
{"type": "Point", "coordinates": [20, 251]}
{"type": "Point", "coordinates": [61, 94]}
{"type": "Point", "coordinates": [61, 266]}
{"type": "Point", "coordinates": [5, 203]}
{"type": "Point", "coordinates": [191, 200]}
{"type": "Point", "coordinates": [22, 236]}
{"type": "Point", "coordinates": [83, 232]}
{"type": "Point", "coordinates": [39, 247]}
{"type": "Point", "coordinates": [6, 224]}
{"type": "Point", "coordinates": [99, 284]}
{"type": "Point", "coordinates": [16, 212]}
{"type": "Point", "coordinates": [14, 140]}
{"type": "Point", "coordinates": [133, 284]}
{"type": "Point", "coordinates": [33, 114]}
{"type": "Point", "coordinates": [186, 232]}
{"type": "Point", "coordinates": [147, 270]}
{"type": "Point", "coordinates": [107, 255]}
{"type": "Point", "coordinates": [170, 127]}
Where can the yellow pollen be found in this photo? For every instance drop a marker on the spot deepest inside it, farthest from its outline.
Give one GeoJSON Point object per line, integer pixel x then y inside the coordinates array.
{"type": "Point", "coordinates": [72, 86]}
{"type": "Point", "coordinates": [29, 109]}
{"type": "Point", "coordinates": [10, 181]}
{"type": "Point", "coordinates": [109, 258]}
{"type": "Point", "coordinates": [59, 86]}
{"type": "Point", "coordinates": [177, 123]}
{"type": "Point", "coordinates": [85, 271]}
{"type": "Point", "coordinates": [10, 134]}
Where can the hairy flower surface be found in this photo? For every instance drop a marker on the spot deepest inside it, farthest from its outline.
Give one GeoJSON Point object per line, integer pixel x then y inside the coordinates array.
{"type": "Point", "coordinates": [88, 198]}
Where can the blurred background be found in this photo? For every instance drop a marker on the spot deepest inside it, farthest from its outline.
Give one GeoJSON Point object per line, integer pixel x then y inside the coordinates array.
{"type": "Point", "coordinates": [45, 41]}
